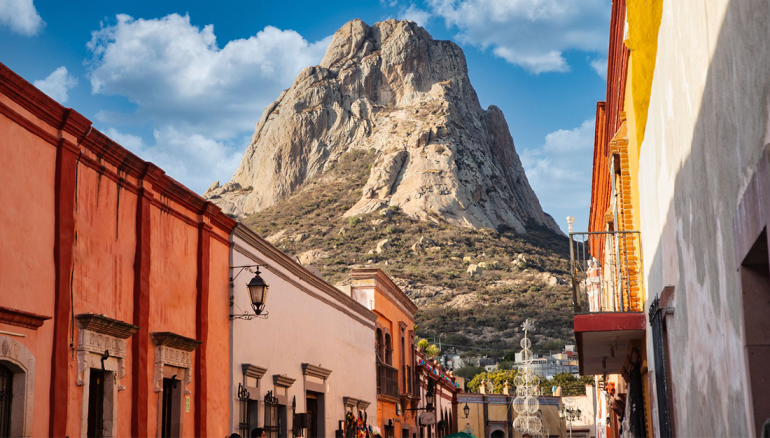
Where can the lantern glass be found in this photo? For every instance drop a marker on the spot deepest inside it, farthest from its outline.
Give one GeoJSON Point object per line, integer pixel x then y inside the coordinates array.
{"type": "Point", "coordinates": [258, 290]}
{"type": "Point", "coordinates": [429, 398]}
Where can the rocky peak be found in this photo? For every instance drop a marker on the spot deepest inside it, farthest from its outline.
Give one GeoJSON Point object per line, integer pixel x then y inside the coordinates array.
{"type": "Point", "coordinates": [392, 88]}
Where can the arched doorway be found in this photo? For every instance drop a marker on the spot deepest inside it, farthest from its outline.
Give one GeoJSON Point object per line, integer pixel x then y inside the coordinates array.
{"type": "Point", "coordinates": [17, 377]}
{"type": "Point", "coordinates": [498, 434]}
{"type": "Point", "coordinates": [6, 395]}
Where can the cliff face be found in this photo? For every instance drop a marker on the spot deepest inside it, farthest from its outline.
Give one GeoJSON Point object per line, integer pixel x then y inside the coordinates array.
{"type": "Point", "coordinates": [393, 89]}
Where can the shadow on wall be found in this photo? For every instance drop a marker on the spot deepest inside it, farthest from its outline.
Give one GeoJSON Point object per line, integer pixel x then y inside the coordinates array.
{"type": "Point", "coordinates": [696, 251]}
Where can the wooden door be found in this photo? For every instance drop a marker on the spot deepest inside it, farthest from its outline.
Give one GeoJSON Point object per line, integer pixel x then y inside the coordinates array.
{"type": "Point", "coordinates": [312, 414]}
{"type": "Point", "coordinates": [96, 404]}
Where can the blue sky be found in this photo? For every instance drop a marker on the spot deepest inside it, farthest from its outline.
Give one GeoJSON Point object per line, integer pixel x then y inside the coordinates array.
{"type": "Point", "coordinates": [182, 83]}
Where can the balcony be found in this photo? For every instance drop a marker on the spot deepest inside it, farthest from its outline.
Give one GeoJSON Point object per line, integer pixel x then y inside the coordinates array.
{"type": "Point", "coordinates": [387, 380]}
{"type": "Point", "coordinates": [607, 292]}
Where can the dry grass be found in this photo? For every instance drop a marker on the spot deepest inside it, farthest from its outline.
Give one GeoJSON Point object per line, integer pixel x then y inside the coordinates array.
{"type": "Point", "coordinates": [495, 304]}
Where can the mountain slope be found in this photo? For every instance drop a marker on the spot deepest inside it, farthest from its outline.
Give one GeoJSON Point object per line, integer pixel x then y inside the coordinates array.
{"type": "Point", "coordinates": [382, 155]}
{"type": "Point", "coordinates": [390, 87]}
{"type": "Point", "coordinates": [526, 276]}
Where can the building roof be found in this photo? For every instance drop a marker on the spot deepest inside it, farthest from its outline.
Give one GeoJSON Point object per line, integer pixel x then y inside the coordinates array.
{"type": "Point", "coordinates": [101, 148]}
{"type": "Point", "coordinates": [280, 258]}
{"type": "Point", "coordinates": [396, 294]}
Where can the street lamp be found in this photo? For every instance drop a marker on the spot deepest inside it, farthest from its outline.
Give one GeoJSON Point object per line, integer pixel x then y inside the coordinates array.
{"type": "Point", "coordinates": [570, 414]}
{"type": "Point", "coordinates": [466, 410]}
{"type": "Point", "coordinates": [429, 399]}
{"type": "Point", "coordinates": [258, 291]}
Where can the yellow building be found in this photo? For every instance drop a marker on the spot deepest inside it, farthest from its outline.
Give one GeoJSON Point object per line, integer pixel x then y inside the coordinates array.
{"type": "Point", "coordinates": [492, 415]}
{"type": "Point", "coordinates": [607, 261]}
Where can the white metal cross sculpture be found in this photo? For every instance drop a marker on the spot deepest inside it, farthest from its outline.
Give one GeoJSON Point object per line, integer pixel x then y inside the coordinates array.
{"type": "Point", "coordinates": [527, 385]}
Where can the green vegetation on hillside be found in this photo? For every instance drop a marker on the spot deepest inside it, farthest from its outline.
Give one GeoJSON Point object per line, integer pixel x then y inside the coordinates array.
{"type": "Point", "coordinates": [570, 385]}
{"type": "Point", "coordinates": [525, 276]}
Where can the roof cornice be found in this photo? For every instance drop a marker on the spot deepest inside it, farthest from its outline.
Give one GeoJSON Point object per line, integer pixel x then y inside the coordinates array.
{"type": "Point", "coordinates": [267, 249]}
{"type": "Point", "coordinates": [52, 113]}
{"type": "Point", "coordinates": [391, 287]}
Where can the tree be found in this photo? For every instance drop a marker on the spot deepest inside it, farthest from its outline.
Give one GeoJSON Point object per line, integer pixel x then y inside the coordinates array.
{"type": "Point", "coordinates": [570, 385]}
{"type": "Point", "coordinates": [468, 372]}
{"type": "Point", "coordinates": [498, 379]}
{"type": "Point", "coordinates": [432, 351]}
{"type": "Point", "coordinates": [422, 345]}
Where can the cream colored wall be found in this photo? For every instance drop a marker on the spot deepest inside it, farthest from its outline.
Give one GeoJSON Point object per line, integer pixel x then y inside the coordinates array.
{"type": "Point", "coordinates": [707, 127]}
{"type": "Point", "coordinates": [303, 328]}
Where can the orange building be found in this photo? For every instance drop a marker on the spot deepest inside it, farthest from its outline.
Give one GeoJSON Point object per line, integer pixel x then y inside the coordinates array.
{"type": "Point", "coordinates": [397, 390]}
{"type": "Point", "coordinates": [114, 284]}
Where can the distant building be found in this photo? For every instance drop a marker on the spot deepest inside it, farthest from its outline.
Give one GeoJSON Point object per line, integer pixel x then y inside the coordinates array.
{"type": "Point", "coordinates": [492, 415]}
{"type": "Point", "coordinates": [432, 376]}
{"type": "Point", "coordinates": [551, 365]}
{"type": "Point", "coordinates": [394, 347]}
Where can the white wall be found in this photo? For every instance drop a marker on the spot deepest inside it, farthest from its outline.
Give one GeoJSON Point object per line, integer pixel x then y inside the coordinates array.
{"type": "Point", "coordinates": [304, 326]}
{"type": "Point", "coordinates": [707, 127]}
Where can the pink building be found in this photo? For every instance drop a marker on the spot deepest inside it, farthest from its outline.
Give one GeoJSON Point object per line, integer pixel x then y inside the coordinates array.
{"type": "Point", "coordinates": [311, 362]}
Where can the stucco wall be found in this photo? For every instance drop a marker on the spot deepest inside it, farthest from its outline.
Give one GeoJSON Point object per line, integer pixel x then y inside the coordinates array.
{"type": "Point", "coordinates": [306, 324]}
{"type": "Point", "coordinates": [27, 239]}
{"type": "Point", "coordinates": [69, 231]}
{"type": "Point", "coordinates": [707, 126]}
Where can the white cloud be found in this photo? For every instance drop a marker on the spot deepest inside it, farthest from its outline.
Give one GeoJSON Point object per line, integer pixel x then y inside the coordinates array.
{"type": "Point", "coordinates": [560, 171]}
{"type": "Point", "coordinates": [192, 159]}
{"type": "Point", "coordinates": [57, 84]}
{"type": "Point", "coordinates": [177, 75]}
{"type": "Point", "coordinates": [21, 17]}
{"type": "Point", "coordinates": [600, 67]}
{"type": "Point", "coordinates": [533, 34]}
{"type": "Point", "coordinates": [415, 14]}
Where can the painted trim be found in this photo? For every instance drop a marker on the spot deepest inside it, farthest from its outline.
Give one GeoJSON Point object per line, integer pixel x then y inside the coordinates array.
{"type": "Point", "coordinates": [254, 371]}
{"type": "Point", "coordinates": [264, 247]}
{"type": "Point", "coordinates": [283, 381]}
{"type": "Point", "coordinates": [141, 343]}
{"type": "Point", "coordinates": [611, 321]}
{"type": "Point", "coordinates": [70, 121]}
{"type": "Point", "coordinates": [315, 371]}
{"type": "Point", "coordinates": [396, 294]}
{"type": "Point", "coordinates": [66, 164]}
{"type": "Point", "coordinates": [20, 318]}
{"type": "Point", "coordinates": [106, 326]}
{"type": "Point", "coordinates": [202, 329]}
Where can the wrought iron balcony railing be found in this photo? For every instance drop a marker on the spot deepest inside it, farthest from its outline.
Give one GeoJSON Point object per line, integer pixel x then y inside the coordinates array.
{"type": "Point", "coordinates": [606, 271]}
{"type": "Point", "coordinates": [387, 380]}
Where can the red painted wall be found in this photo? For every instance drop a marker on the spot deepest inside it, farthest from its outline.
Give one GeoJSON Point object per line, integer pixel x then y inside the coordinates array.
{"type": "Point", "coordinates": [84, 218]}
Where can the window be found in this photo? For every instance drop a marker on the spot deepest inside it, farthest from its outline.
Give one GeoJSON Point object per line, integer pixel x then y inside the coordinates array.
{"type": "Point", "coordinates": [252, 408]}
{"type": "Point", "coordinates": [662, 376]}
{"type": "Point", "coordinates": [388, 350]}
{"type": "Point", "coordinates": [755, 285]}
{"type": "Point", "coordinates": [6, 394]}
{"type": "Point", "coordinates": [403, 363]}
{"type": "Point", "coordinates": [380, 346]}
{"type": "Point", "coordinates": [272, 425]}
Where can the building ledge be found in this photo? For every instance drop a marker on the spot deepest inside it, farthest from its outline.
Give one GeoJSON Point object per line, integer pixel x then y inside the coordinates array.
{"type": "Point", "coordinates": [600, 336]}
{"type": "Point", "coordinates": [21, 318]}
